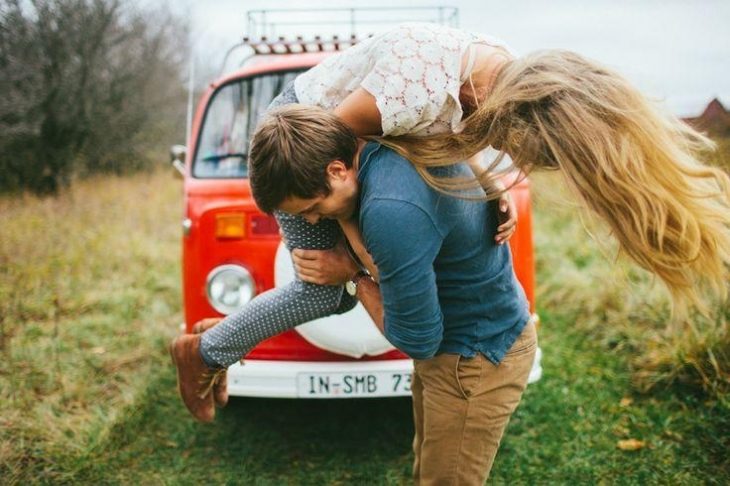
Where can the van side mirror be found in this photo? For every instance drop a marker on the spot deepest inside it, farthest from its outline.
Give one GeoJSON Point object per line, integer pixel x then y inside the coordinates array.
{"type": "Point", "coordinates": [177, 158]}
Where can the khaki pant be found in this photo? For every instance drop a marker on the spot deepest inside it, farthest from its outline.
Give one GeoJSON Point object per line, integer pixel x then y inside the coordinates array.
{"type": "Point", "coordinates": [461, 407]}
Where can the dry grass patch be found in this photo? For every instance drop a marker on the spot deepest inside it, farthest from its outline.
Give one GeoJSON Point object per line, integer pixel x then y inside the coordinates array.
{"type": "Point", "coordinates": [89, 292]}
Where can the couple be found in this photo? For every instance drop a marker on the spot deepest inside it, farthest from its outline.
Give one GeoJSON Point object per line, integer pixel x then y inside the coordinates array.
{"type": "Point", "coordinates": [443, 291]}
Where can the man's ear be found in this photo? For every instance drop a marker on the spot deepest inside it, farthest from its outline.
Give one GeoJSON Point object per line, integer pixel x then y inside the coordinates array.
{"type": "Point", "coordinates": [337, 170]}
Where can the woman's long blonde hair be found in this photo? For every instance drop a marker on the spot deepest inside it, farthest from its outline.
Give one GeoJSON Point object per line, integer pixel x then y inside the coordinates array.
{"type": "Point", "coordinates": [635, 166]}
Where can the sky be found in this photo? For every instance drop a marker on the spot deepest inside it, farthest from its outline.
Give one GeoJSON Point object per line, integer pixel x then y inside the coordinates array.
{"type": "Point", "coordinates": [677, 51]}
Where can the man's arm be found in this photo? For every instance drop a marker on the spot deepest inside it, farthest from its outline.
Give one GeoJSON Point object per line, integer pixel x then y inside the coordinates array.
{"type": "Point", "coordinates": [404, 243]}
{"type": "Point", "coordinates": [368, 293]}
{"type": "Point", "coordinates": [411, 317]}
{"type": "Point", "coordinates": [335, 267]}
{"type": "Point", "coordinates": [325, 267]}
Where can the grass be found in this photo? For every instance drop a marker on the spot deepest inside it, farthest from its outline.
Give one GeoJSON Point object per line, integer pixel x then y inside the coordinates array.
{"type": "Point", "coordinates": [90, 291]}
{"type": "Point", "coordinates": [566, 431]}
{"type": "Point", "coordinates": [90, 294]}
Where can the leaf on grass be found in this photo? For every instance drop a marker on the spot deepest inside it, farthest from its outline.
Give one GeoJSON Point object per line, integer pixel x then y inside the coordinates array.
{"type": "Point", "coordinates": [673, 435]}
{"type": "Point", "coordinates": [630, 444]}
{"type": "Point", "coordinates": [626, 401]}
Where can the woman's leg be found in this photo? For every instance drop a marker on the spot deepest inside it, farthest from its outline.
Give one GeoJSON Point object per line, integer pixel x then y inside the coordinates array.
{"type": "Point", "coordinates": [282, 308]}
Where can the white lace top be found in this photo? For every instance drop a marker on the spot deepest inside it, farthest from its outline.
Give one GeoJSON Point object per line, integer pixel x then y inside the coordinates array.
{"type": "Point", "coordinates": [412, 71]}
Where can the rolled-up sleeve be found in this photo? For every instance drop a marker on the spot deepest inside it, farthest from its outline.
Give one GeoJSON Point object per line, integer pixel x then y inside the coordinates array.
{"type": "Point", "coordinates": [404, 242]}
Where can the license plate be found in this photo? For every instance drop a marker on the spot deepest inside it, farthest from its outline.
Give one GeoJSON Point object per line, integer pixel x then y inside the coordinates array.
{"type": "Point", "coordinates": [344, 385]}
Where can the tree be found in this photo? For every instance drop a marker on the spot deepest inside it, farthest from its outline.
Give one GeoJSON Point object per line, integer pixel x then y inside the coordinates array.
{"type": "Point", "coordinates": [88, 85]}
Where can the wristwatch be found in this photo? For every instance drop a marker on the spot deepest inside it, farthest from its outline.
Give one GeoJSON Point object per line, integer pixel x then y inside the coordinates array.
{"type": "Point", "coordinates": [351, 285]}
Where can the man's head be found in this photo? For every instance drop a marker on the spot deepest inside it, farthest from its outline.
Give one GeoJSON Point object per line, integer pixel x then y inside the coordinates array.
{"type": "Point", "coordinates": [301, 162]}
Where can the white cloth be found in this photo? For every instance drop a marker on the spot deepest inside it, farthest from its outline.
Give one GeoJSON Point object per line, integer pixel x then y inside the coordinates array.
{"type": "Point", "coordinates": [413, 71]}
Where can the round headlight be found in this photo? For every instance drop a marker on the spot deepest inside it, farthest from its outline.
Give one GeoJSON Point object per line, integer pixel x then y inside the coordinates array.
{"type": "Point", "coordinates": [229, 287]}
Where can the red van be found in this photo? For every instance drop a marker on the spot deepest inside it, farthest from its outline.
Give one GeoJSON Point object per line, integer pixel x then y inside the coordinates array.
{"type": "Point", "coordinates": [232, 251]}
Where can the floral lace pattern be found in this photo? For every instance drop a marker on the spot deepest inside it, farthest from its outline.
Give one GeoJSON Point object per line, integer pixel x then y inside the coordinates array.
{"type": "Point", "coordinates": [413, 71]}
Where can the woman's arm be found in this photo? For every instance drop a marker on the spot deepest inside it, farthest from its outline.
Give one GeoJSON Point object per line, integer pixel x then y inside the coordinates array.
{"type": "Point", "coordinates": [360, 112]}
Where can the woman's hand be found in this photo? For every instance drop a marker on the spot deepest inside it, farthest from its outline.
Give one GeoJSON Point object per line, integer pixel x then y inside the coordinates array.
{"type": "Point", "coordinates": [507, 217]}
{"type": "Point", "coordinates": [325, 267]}
{"type": "Point", "coordinates": [506, 207]}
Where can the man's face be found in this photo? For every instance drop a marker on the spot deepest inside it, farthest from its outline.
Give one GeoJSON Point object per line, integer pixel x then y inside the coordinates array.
{"type": "Point", "coordinates": [340, 203]}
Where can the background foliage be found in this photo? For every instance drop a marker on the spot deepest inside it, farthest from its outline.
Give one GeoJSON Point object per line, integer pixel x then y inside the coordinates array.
{"type": "Point", "coordinates": [88, 86]}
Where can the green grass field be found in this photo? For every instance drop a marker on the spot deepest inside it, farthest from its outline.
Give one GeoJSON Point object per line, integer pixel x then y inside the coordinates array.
{"type": "Point", "coordinates": [90, 295]}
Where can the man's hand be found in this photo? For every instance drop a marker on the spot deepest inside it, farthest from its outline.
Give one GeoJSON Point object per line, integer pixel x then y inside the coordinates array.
{"type": "Point", "coordinates": [507, 217]}
{"type": "Point", "coordinates": [325, 267]}
{"type": "Point", "coordinates": [204, 324]}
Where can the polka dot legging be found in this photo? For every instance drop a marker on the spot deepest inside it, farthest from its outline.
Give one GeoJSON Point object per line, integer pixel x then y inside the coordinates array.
{"type": "Point", "coordinates": [283, 308]}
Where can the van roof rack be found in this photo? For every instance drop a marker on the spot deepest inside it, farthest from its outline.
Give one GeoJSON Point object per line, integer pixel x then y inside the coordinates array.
{"type": "Point", "coordinates": [282, 45]}
{"type": "Point", "coordinates": [265, 27]}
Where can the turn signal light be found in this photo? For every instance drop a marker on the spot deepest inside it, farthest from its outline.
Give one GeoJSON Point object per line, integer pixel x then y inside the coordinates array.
{"type": "Point", "coordinates": [230, 226]}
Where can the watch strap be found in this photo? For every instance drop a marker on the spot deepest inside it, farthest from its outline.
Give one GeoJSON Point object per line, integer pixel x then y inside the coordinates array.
{"type": "Point", "coordinates": [359, 276]}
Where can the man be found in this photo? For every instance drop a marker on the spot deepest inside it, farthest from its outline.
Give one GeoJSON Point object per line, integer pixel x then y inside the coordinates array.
{"type": "Point", "coordinates": [446, 295]}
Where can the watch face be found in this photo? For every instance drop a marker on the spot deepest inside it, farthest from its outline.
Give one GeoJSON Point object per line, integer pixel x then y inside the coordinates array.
{"type": "Point", "coordinates": [351, 288]}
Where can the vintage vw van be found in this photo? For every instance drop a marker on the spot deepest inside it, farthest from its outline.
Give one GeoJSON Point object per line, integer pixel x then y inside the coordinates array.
{"type": "Point", "coordinates": [232, 251]}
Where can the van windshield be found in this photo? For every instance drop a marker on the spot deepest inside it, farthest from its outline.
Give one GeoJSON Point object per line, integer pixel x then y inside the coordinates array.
{"type": "Point", "coordinates": [229, 122]}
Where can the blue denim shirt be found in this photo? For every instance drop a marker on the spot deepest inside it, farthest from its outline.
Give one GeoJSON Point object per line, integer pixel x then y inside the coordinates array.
{"type": "Point", "coordinates": [446, 286]}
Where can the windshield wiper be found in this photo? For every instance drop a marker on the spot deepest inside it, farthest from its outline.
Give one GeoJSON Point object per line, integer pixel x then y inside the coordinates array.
{"type": "Point", "coordinates": [217, 158]}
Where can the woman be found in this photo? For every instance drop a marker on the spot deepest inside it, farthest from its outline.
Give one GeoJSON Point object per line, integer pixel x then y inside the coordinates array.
{"type": "Point", "coordinates": [438, 95]}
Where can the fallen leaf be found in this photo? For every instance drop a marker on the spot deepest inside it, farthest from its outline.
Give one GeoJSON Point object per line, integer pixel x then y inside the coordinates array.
{"type": "Point", "coordinates": [98, 350]}
{"type": "Point", "coordinates": [630, 444]}
{"type": "Point", "coordinates": [626, 401]}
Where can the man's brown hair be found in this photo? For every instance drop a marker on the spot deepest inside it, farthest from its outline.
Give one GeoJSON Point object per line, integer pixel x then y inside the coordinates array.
{"type": "Point", "coordinates": [290, 151]}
